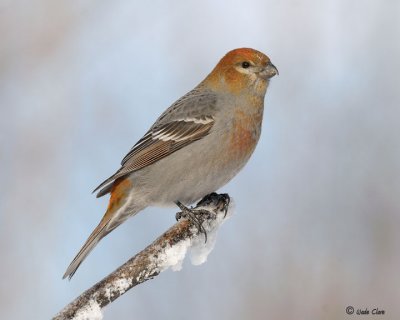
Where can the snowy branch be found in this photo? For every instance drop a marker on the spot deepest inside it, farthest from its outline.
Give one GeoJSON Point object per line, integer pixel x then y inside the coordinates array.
{"type": "Point", "coordinates": [168, 250]}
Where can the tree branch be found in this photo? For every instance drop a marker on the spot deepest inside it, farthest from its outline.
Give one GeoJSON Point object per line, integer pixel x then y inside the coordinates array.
{"type": "Point", "coordinates": [167, 251]}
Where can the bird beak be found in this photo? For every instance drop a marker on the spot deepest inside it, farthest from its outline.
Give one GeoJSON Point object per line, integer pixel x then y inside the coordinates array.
{"type": "Point", "coordinates": [269, 71]}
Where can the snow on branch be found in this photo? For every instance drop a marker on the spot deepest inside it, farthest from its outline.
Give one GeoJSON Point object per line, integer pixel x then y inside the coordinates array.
{"type": "Point", "coordinates": [168, 250]}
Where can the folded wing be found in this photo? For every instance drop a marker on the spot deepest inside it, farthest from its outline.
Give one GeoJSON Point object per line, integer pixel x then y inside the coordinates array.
{"type": "Point", "coordinates": [159, 142]}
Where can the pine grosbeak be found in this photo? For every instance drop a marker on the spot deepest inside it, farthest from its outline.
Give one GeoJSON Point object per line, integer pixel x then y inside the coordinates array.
{"type": "Point", "coordinates": [195, 147]}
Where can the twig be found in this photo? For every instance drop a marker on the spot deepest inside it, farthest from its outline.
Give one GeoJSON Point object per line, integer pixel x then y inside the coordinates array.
{"type": "Point", "coordinates": [167, 251]}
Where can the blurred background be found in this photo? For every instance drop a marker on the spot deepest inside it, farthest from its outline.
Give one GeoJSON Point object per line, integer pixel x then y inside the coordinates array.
{"type": "Point", "coordinates": [316, 226]}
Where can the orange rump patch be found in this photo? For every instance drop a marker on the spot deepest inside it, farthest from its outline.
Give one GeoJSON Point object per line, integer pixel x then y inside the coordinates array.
{"type": "Point", "coordinates": [119, 192]}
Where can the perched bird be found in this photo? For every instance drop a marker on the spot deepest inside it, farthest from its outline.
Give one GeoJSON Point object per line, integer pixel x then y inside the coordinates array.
{"type": "Point", "coordinates": [195, 147]}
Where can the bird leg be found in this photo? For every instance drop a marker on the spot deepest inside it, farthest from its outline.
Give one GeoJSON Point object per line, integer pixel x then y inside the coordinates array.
{"type": "Point", "coordinates": [194, 216]}
{"type": "Point", "coordinates": [197, 216]}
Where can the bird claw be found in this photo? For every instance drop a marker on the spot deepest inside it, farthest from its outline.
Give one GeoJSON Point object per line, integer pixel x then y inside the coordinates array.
{"type": "Point", "coordinates": [197, 216]}
{"type": "Point", "coordinates": [221, 201]}
{"type": "Point", "coordinates": [179, 216]}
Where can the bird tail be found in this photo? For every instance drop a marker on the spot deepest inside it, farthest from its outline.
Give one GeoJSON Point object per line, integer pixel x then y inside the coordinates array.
{"type": "Point", "coordinates": [100, 232]}
{"type": "Point", "coordinates": [106, 225]}
{"type": "Point", "coordinates": [119, 209]}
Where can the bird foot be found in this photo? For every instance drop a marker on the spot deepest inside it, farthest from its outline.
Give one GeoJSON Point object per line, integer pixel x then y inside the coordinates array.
{"type": "Point", "coordinates": [221, 201]}
{"type": "Point", "coordinates": [197, 216]}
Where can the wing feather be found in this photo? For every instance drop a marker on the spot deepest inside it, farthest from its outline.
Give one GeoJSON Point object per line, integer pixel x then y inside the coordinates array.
{"type": "Point", "coordinates": [159, 142]}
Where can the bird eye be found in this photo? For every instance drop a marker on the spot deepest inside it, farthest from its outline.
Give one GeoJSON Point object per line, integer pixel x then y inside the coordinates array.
{"type": "Point", "coordinates": [245, 64]}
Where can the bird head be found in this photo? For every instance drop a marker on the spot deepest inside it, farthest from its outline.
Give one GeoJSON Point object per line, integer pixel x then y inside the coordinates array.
{"type": "Point", "coordinates": [242, 69]}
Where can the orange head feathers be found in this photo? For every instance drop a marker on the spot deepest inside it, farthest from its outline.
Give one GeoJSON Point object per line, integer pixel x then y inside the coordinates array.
{"type": "Point", "coordinates": [241, 69]}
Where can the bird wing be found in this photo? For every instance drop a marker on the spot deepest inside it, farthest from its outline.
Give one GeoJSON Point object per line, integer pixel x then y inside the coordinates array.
{"type": "Point", "coordinates": [171, 132]}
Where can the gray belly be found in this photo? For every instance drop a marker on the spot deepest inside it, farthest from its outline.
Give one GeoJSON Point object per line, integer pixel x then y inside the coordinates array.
{"type": "Point", "coordinates": [188, 174]}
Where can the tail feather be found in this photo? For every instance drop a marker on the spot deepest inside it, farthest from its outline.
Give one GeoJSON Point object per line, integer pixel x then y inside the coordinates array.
{"type": "Point", "coordinates": [97, 234]}
{"type": "Point", "coordinates": [119, 209]}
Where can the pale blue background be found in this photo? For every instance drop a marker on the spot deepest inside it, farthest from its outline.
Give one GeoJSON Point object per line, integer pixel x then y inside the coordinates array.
{"type": "Point", "coordinates": [317, 221]}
